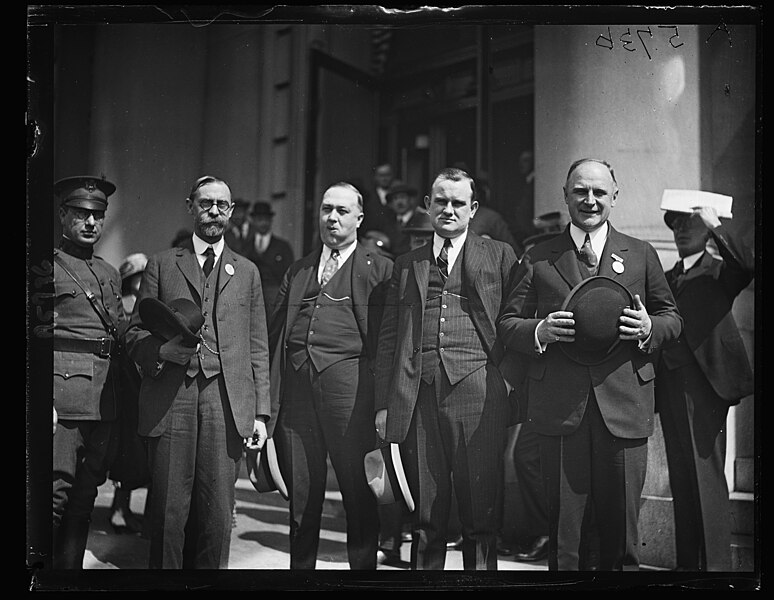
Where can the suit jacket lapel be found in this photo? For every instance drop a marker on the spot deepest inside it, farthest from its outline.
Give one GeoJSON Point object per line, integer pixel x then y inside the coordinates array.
{"type": "Point", "coordinates": [566, 260]}
{"type": "Point", "coordinates": [300, 284]}
{"type": "Point", "coordinates": [615, 244]}
{"type": "Point", "coordinates": [482, 313]}
{"type": "Point", "coordinates": [422, 272]}
{"type": "Point", "coordinates": [227, 257]}
{"type": "Point", "coordinates": [189, 265]}
{"type": "Point", "coordinates": [361, 266]}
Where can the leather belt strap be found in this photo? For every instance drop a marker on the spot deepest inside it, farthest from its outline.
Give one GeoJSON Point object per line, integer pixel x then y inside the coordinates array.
{"type": "Point", "coordinates": [102, 347]}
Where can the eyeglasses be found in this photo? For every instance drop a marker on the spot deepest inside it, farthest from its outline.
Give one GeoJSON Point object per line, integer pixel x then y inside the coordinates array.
{"type": "Point", "coordinates": [82, 214]}
{"type": "Point", "coordinates": [223, 205]}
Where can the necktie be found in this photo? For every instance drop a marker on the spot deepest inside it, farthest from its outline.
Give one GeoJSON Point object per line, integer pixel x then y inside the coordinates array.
{"type": "Point", "coordinates": [331, 266]}
{"type": "Point", "coordinates": [587, 255]}
{"type": "Point", "coordinates": [679, 274]}
{"type": "Point", "coordinates": [209, 261]}
{"type": "Point", "coordinates": [443, 259]}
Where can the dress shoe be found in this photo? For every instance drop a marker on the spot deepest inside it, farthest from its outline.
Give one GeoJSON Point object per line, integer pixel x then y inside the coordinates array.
{"type": "Point", "coordinates": [538, 550]}
{"type": "Point", "coordinates": [124, 521]}
{"type": "Point", "coordinates": [454, 544]}
{"type": "Point", "coordinates": [389, 558]}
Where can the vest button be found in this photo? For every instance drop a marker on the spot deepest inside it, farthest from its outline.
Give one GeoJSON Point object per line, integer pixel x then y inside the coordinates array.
{"type": "Point", "coordinates": [440, 334]}
{"type": "Point", "coordinates": [443, 306]}
{"type": "Point", "coordinates": [443, 319]}
{"type": "Point", "coordinates": [441, 349]}
{"type": "Point", "coordinates": [204, 313]}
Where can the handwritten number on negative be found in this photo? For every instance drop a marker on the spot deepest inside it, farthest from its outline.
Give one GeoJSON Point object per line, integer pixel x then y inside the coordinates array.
{"type": "Point", "coordinates": [608, 39]}
{"type": "Point", "coordinates": [671, 43]}
{"type": "Point", "coordinates": [650, 33]}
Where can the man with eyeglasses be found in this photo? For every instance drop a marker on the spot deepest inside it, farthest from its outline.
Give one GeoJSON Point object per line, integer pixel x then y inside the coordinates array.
{"type": "Point", "coordinates": [199, 405]}
{"type": "Point", "coordinates": [85, 398]}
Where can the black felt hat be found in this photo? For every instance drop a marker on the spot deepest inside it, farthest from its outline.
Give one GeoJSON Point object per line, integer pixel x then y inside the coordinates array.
{"type": "Point", "coordinates": [597, 304]}
{"type": "Point", "coordinates": [263, 469]}
{"type": "Point", "coordinates": [180, 316]}
{"type": "Point", "coordinates": [386, 477]}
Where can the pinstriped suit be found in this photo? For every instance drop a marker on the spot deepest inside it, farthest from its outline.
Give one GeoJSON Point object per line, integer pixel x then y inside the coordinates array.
{"type": "Point", "coordinates": [448, 427]}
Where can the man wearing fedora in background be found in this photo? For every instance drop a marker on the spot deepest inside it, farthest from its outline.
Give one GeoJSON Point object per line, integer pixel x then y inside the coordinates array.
{"type": "Point", "coordinates": [402, 200]}
{"type": "Point", "coordinates": [593, 407]}
{"type": "Point", "coordinates": [323, 341]}
{"type": "Point", "coordinates": [87, 315]}
{"type": "Point", "coordinates": [200, 402]}
{"type": "Point", "coordinates": [271, 254]}
{"type": "Point", "coordinates": [697, 380]}
{"type": "Point", "coordinates": [237, 235]}
{"type": "Point", "coordinates": [440, 394]}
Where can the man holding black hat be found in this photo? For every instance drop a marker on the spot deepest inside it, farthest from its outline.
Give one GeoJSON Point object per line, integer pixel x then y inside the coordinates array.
{"type": "Point", "coordinates": [199, 402]}
{"type": "Point", "coordinates": [591, 403]}
{"type": "Point", "coordinates": [271, 254]}
{"type": "Point", "coordinates": [323, 335]}
{"type": "Point", "coordinates": [87, 314]}
{"type": "Point", "coordinates": [698, 379]}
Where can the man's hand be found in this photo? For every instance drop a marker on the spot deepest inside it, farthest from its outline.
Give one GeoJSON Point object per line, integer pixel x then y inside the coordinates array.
{"type": "Point", "coordinates": [559, 326]}
{"type": "Point", "coordinates": [635, 323]}
{"type": "Point", "coordinates": [708, 215]}
{"type": "Point", "coordinates": [259, 434]}
{"type": "Point", "coordinates": [175, 352]}
{"type": "Point", "coordinates": [381, 423]}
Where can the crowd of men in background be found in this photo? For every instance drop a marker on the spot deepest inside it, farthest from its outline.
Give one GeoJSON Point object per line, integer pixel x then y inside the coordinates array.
{"type": "Point", "coordinates": [423, 326]}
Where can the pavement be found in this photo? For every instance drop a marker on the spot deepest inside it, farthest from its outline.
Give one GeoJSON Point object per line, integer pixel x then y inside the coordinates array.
{"type": "Point", "coordinates": [259, 540]}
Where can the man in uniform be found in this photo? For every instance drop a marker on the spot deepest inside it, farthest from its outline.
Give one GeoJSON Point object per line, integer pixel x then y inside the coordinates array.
{"type": "Point", "coordinates": [323, 331]}
{"type": "Point", "coordinates": [85, 394]}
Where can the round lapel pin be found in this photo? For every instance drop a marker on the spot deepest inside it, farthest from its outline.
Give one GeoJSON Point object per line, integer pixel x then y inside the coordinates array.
{"type": "Point", "coordinates": [230, 269]}
{"type": "Point", "coordinates": [618, 267]}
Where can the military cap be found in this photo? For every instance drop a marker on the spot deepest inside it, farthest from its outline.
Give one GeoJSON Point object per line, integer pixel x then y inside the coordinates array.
{"type": "Point", "coordinates": [84, 191]}
{"type": "Point", "coordinates": [597, 304]}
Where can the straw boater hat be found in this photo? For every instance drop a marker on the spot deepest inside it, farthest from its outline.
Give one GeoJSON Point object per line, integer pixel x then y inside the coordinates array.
{"type": "Point", "coordinates": [386, 477]}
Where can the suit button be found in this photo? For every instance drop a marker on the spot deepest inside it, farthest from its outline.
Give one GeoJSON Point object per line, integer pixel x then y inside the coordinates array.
{"type": "Point", "coordinates": [443, 319]}
{"type": "Point", "coordinates": [416, 350]}
{"type": "Point", "coordinates": [441, 334]}
{"type": "Point", "coordinates": [441, 349]}
{"type": "Point", "coordinates": [67, 375]}
{"type": "Point", "coordinates": [445, 292]}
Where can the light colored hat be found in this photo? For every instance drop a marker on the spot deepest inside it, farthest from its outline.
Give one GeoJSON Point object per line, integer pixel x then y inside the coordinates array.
{"type": "Point", "coordinates": [386, 477]}
{"type": "Point", "coordinates": [132, 265]}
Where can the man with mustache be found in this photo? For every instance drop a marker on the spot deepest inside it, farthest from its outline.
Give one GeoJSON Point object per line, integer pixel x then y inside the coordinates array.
{"type": "Point", "coordinates": [323, 339]}
{"type": "Point", "coordinates": [593, 417]}
{"type": "Point", "coordinates": [198, 405]}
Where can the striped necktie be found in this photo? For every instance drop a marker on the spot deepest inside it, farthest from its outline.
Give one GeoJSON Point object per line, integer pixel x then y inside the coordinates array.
{"type": "Point", "coordinates": [443, 259]}
{"type": "Point", "coordinates": [331, 266]}
{"type": "Point", "coordinates": [587, 256]}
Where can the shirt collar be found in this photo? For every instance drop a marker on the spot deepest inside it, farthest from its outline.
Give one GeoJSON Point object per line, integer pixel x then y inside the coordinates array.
{"type": "Point", "coordinates": [200, 246]}
{"type": "Point", "coordinates": [406, 217]}
{"type": "Point", "coordinates": [691, 260]}
{"type": "Point", "coordinates": [598, 237]}
{"type": "Point", "coordinates": [456, 243]}
{"type": "Point", "coordinates": [344, 253]}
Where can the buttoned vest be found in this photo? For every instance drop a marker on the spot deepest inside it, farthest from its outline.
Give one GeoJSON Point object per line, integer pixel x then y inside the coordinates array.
{"type": "Point", "coordinates": [206, 360]}
{"type": "Point", "coordinates": [325, 329]}
{"type": "Point", "coordinates": [448, 333]}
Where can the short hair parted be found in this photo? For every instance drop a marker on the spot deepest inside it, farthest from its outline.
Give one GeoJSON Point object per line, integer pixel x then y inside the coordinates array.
{"type": "Point", "coordinates": [347, 186]}
{"type": "Point", "coordinates": [580, 161]}
{"type": "Point", "coordinates": [455, 174]}
{"type": "Point", "coordinates": [204, 180]}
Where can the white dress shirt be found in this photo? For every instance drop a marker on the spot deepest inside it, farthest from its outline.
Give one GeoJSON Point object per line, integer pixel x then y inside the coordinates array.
{"type": "Point", "coordinates": [344, 254]}
{"type": "Point", "coordinates": [454, 251]}
{"type": "Point", "coordinates": [200, 246]}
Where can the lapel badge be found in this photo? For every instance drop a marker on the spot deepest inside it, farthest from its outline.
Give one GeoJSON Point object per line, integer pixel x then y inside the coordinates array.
{"type": "Point", "coordinates": [230, 269]}
{"type": "Point", "coordinates": [618, 265]}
